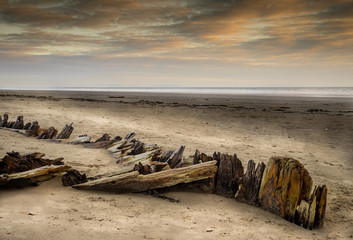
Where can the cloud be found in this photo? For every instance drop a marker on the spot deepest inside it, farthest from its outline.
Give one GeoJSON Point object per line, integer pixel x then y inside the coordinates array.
{"type": "Point", "coordinates": [254, 32]}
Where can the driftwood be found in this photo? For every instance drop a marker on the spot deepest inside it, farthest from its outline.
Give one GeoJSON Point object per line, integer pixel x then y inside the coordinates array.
{"type": "Point", "coordinates": [19, 171]}
{"type": "Point", "coordinates": [65, 132]}
{"type": "Point", "coordinates": [137, 147]}
{"type": "Point", "coordinates": [175, 160]}
{"type": "Point", "coordinates": [203, 157]}
{"type": "Point", "coordinates": [228, 177]}
{"type": "Point", "coordinates": [13, 162]}
{"type": "Point", "coordinates": [80, 139]}
{"type": "Point", "coordinates": [33, 130]}
{"type": "Point", "coordinates": [73, 177]}
{"type": "Point", "coordinates": [166, 155]}
{"type": "Point", "coordinates": [49, 133]}
{"type": "Point", "coordinates": [285, 190]}
{"type": "Point", "coordinates": [3, 122]}
{"type": "Point", "coordinates": [102, 142]}
{"type": "Point", "coordinates": [248, 191]}
{"type": "Point", "coordinates": [129, 136]}
{"type": "Point", "coordinates": [151, 168]}
{"type": "Point", "coordinates": [285, 182]}
{"type": "Point", "coordinates": [31, 177]}
{"type": "Point", "coordinates": [19, 123]}
{"type": "Point", "coordinates": [135, 182]}
{"type": "Point", "coordinates": [144, 158]}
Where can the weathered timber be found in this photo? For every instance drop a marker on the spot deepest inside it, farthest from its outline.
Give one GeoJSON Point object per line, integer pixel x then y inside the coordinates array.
{"type": "Point", "coordinates": [228, 177]}
{"type": "Point", "coordinates": [19, 123]}
{"type": "Point", "coordinates": [176, 159]}
{"type": "Point", "coordinates": [200, 186]}
{"type": "Point", "coordinates": [137, 147]}
{"type": "Point", "coordinates": [129, 136]}
{"type": "Point", "coordinates": [65, 132]}
{"type": "Point", "coordinates": [310, 214]}
{"type": "Point", "coordinates": [151, 167]}
{"type": "Point", "coordinates": [102, 142]}
{"type": "Point", "coordinates": [27, 126]}
{"type": "Point", "coordinates": [145, 157]}
{"type": "Point", "coordinates": [31, 177]}
{"type": "Point", "coordinates": [203, 157]}
{"type": "Point", "coordinates": [119, 146]}
{"type": "Point", "coordinates": [13, 162]}
{"type": "Point", "coordinates": [3, 122]}
{"type": "Point", "coordinates": [250, 183]}
{"type": "Point", "coordinates": [73, 177]}
{"type": "Point", "coordinates": [135, 182]}
{"type": "Point", "coordinates": [285, 183]}
{"type": "Point", "coordinates": [166, 155]}
{"type": "Point", "coordinates": [81, 139]}
{"type": "Point", "coordinates": [49, 133]}
{"type": "Point", "coordinates": [105, 137]}
{"type": "Point", "coordinates": [320, 193]}
{"type": "Point", "coordinates": [196, 157]}
{"type": "Point", "coordinates": [10, 124]}
{"type": "Point", "coordinates": [33, 130]}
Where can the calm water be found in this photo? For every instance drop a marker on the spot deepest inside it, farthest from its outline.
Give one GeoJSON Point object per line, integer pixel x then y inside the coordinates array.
{"type": "Point", "coordinates": [346, 92]}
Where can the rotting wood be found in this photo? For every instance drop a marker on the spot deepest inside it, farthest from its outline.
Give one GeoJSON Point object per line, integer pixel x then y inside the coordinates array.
{"type": "Point", "coordinates": [3, 122]}
{"type": "Point", "coordinates": [176, 159]}
{"type": "Point", "coordinates": [166, 155]}
{"type": "Point", "coordinates": [135, 182]}
{"type": "Point", "coordinates": [283, 187]}
{"type": "Point", "coordinates": [27, 126]}
{"type": "Point", "coordinates": [143, 157]}
{"type": "Point", "coordinates": [229, 174]}
{"type": "Point", "coordinates": [320, 193]}
{"type": "Point", "coordinates": [250, 183]}
{"type": "Point", "coordinates": [137, 148]}
{"type": "Point", "coordinates": [31, 177]}
{"type": "Point", "coordinates": [130, 136]}
{"type": "Point", "coordinates": [103, 142]}
{"type": "Point", "coordinates": [65, 132]}
{"type": "Point", "coordinates": [19, 123]}
{"type": "Point", "coordinates": [151, 167]}
{"type": "Point", "coordinates": [49, 133]}
{"type": "Point", "coordinates": [33, 130]}
{"type": "Point", "coordinates": [196, 156]}
{"type": "Point", "coordinates": [14, 162]}
{"type": "Point", "coordinates": [105, 137]}
{"type": "Point", "coordinates": [81, 139]}
{"type": "Point", "coordinates": [73, 177]}
{"type": "Point", "coordinates": [285, 183]}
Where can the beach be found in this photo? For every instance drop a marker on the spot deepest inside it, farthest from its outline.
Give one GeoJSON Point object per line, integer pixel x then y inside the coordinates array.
{"type": "Point", "coordinates": [316, 131]}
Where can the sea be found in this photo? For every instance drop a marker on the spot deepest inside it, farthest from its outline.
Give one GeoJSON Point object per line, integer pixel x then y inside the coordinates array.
{"type": "Point", "coordinates": [330, 92]}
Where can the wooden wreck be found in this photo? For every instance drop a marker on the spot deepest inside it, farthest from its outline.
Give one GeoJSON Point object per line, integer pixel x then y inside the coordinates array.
{"type": "Point", "coordinates": [283, 186]}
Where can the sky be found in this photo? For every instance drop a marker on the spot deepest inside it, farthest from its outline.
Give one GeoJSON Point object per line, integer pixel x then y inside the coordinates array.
{"type": "Point", "coordinates": [198, 43]}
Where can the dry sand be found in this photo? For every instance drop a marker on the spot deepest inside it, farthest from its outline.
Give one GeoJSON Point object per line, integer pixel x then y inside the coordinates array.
{"type": "Point", "coordinates": [252, 127]}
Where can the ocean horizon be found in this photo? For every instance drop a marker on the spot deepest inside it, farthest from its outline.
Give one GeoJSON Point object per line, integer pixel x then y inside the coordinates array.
{"type": "Point", "coordinates": [337, 92]}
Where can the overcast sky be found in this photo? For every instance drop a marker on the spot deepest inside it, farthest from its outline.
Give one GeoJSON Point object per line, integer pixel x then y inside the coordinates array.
{"type": "Point", "coordinates": [238, 43]}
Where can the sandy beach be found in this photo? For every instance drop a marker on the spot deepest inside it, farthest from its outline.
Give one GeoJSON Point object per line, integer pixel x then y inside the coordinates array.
{"type": "Point", "coordinates": [316, 131]}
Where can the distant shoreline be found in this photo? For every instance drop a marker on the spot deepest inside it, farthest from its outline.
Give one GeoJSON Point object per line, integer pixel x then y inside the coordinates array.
{"type": "Point", "coordinates": [316, 92]}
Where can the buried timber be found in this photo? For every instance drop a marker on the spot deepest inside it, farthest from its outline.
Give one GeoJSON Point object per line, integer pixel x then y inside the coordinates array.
{"type": "Point", "coordinates": [283, 186]}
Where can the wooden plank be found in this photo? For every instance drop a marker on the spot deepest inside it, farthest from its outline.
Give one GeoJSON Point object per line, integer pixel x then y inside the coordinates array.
{"type": "Point", "coordinates": [250, 183]}
{"type": "Point", "coordinates": [65, 132]}
{"type": "Point", "coordinates": [135, 182]}
{"type": "Point", "coordinates": [228, 177]}
{"type": "Point", "coordinates": [31, 177]}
